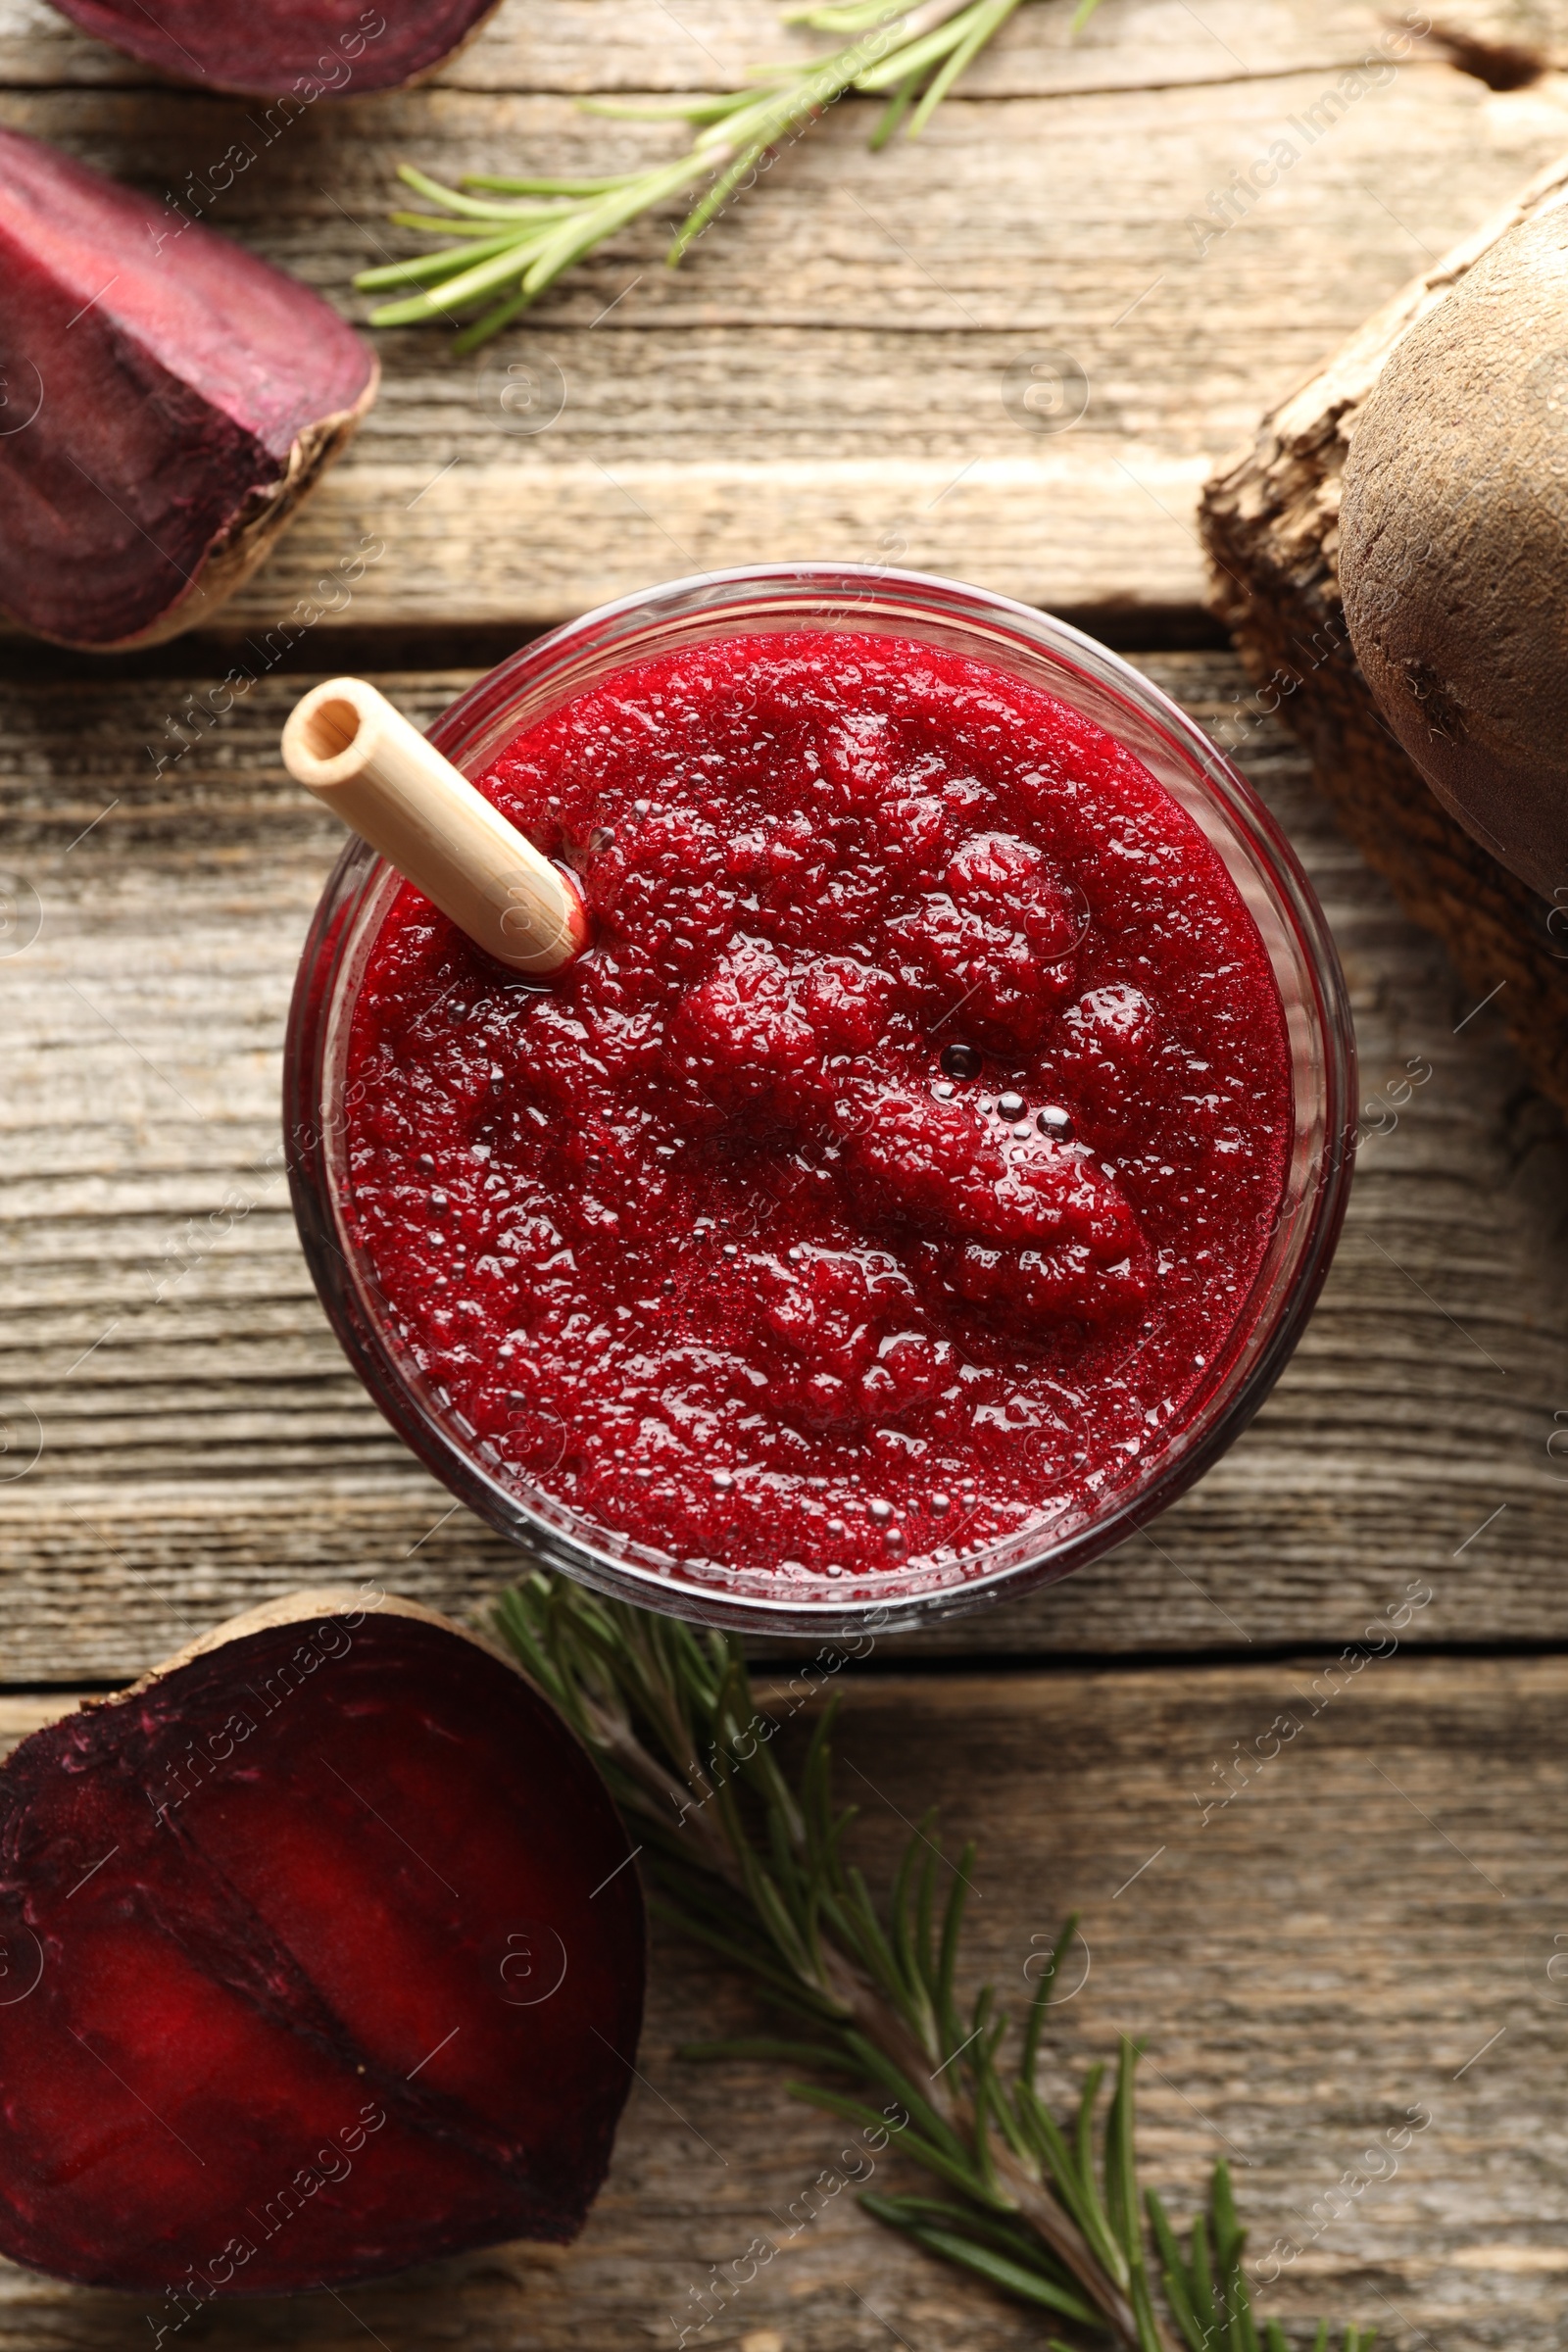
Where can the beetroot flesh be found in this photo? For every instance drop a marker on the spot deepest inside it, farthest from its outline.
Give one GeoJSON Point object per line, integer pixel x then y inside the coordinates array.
{"type": "Point", "coordinates": [314, 2000]}
{"type": "Point", "coordinates": [263, 48]}
{"type": "Point", "coordinates": [169, 400]}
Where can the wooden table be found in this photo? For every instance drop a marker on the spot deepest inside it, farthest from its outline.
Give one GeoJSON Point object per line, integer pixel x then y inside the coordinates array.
{"type": "Point", "coordinates": [1381, 1921]}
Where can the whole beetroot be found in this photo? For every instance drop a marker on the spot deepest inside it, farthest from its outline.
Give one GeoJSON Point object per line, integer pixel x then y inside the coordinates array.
{"type": "Point", "coordinates": [1454, 548]}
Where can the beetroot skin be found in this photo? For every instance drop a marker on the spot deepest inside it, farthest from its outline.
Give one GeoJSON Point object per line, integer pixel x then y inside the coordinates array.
{"type": "Point", "coordinates": [168, 402]}
{"type": "Point", "coordinates": [263, 48]}
{"type": "Point", "coordinates": [320, 1957]}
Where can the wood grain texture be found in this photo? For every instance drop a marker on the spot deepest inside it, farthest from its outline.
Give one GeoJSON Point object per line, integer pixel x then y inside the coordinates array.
{"type": "Point", "coordinates": [200, 1442]}
{"type": "Point", "coordinates": [587, 46]}
{"type": "Point", "coordinates": [1367, 1930]}
{"type": "Point", "coordinates": [180, 1436]}
{"type": "Point", "coordinates": [826, 375]}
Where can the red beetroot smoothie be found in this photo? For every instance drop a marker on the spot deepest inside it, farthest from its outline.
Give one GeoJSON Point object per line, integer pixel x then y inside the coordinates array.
{"type": "Point", "coordinates": [894, 1170]}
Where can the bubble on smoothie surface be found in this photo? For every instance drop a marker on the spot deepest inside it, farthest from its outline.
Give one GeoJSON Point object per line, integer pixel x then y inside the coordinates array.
{"type": "Point", "coordinates": [911, 1134]}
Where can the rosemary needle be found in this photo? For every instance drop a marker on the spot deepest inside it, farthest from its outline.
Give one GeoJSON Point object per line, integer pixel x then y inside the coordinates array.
{"type": "Point", "coordinates": [506, 254]}
{"type": "Point", "coordinates": [749, 1860]}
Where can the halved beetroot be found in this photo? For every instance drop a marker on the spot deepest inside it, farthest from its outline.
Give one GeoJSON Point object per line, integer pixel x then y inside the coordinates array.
{"type": "Point", "coordinates": [169, 400]}
{"type": "Point", "coordinates": [263, 48]}
{"type": "Point", "coordinates": [320, 1956]}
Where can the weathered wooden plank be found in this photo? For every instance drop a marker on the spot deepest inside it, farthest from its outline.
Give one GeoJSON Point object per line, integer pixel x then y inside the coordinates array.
{"type": "Point", "coordinates": [596, 45]}
{"type": "Point", "coordinates": [829, 373]}
{"type": "Point", "coordinates": [1357, 1944]}
{"type": "Point", "coordinates": [202, 1442]}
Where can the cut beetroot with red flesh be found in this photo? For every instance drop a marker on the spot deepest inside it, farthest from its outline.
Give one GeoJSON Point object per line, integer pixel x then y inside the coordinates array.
{"type": "Point", "coordinates": [323, 1956]}
{"type": "Point", "coordinates": [263, 48]}
{"type": "Point", "coordinates": [169, 401]}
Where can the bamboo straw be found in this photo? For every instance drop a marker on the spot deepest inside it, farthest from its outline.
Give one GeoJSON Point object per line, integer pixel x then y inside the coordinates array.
{"type": "Point", "coordinates": [345, 743]}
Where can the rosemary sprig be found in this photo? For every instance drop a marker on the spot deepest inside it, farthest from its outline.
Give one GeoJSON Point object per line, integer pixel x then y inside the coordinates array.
{"type": "Point", "coordinates": [751, 1864]}
{"type": "Point", "coordinates": [514, 249]}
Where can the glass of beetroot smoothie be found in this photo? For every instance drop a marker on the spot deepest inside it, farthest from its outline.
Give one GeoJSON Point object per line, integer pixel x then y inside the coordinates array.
{"type": "Point", "coordinates": [929, 1167]}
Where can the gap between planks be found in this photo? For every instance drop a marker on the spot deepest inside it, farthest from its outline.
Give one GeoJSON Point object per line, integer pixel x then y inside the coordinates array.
{"type": "Point", "coordinates": [214, 1446]}
{"type": "Point", "coordinates": [1373, 1924]}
